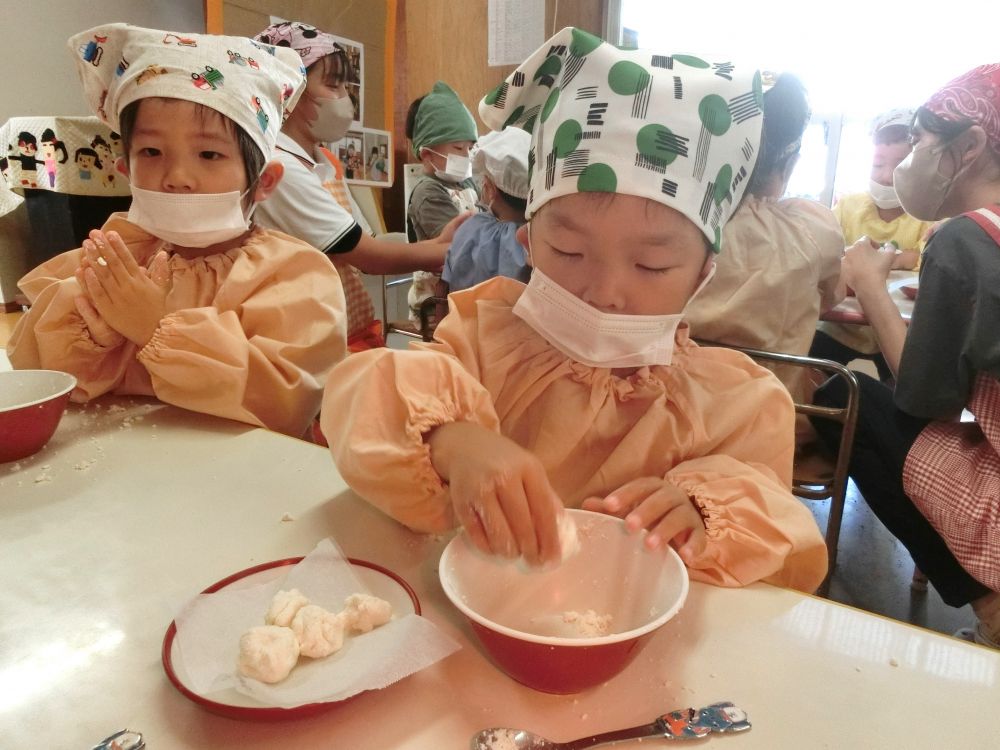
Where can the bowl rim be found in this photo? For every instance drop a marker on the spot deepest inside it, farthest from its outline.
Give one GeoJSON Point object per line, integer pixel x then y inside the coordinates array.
{"type": "Point", "coordinates": [69, 387]}
{"type": "Point", "coordinates": [547, 640]}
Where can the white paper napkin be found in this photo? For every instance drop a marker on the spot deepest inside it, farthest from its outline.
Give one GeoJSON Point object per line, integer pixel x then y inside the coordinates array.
{"type": "Point", "coordinates": [210, 625]}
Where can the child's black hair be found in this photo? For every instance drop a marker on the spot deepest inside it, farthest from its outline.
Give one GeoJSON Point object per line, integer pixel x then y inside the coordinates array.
{"type": "Point", "coordinates": [335, 68]}
{"type": "Point", "coordinates": [518, 204]}
{"type": "Point", "coordinates": [411, 116]}
{"type": "Point", "coordinates": [946, 130]}
{"type": "Point", "coordinates": [253, 157]}
{"type": "Point", "coordinates": [786, 115]}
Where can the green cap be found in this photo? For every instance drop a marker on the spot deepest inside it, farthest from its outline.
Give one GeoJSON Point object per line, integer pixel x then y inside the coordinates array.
{"type": "Point", "coordinates": [442, 118]}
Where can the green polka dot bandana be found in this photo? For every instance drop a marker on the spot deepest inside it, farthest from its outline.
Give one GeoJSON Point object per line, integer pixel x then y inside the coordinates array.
{"type": "Point", "coordinates": [681, 130]}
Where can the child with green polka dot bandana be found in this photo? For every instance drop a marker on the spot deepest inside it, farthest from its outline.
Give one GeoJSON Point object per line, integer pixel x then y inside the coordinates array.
{"type": "Point", "coordinates": [581, 388]}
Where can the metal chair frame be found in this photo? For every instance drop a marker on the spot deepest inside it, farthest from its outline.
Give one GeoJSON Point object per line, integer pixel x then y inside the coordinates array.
{"type": "Point", "coordinates": [834, 488]}
{"type": "Point", "coordinates": [421, 330]}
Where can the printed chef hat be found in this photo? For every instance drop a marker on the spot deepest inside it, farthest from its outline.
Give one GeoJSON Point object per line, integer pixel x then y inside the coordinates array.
{"type": "Point", "coordinates": [442, 118]}
{"type": "Point", "coordinates": [311, 43]}
{"type": "Point", "coordinates": [253, 84]}
{"type": "Point", "coordinates": [503, 156]}
{"type": "Point", "coordinates": [681, 130]}
{"type": "Point", "coordinates": [974, 96]}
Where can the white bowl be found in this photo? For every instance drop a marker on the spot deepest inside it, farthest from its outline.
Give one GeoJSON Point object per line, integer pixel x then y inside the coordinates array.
{"type": "Point", "coordinates": [519, 613]}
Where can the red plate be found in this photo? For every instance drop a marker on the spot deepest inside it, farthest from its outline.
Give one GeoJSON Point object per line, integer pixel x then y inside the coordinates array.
{"type": "Point", "coordinates": [380, 581]}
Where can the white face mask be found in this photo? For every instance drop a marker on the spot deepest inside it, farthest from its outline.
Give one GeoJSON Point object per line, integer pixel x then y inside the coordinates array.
{"type": "Point", "coordinates": [883, 195]}
{"type": "Point", "coordinates": [921, 187]}
{"type": "Point", "coordinates": [594, 338]}
{"type": "Point", "coordinates": [189, 219]}
{"type": "Point", "coordinates": [333, 119]}
{"type": "Point", "coordinates": [456, 169]}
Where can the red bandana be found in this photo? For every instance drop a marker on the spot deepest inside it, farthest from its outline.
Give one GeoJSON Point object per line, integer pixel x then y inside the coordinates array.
{"type": "Point", "coordinates": [974, 95]}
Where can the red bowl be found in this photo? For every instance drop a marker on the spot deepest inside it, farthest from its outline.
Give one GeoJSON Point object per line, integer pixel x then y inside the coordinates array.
{"type": "Point", "coordinates": [518, 617]}
{"type": "Point", "coordinates": [31, 404]}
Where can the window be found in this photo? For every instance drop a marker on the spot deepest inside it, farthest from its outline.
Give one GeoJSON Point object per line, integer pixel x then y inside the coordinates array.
{"type": "Point", "coordinates": [861, 58]}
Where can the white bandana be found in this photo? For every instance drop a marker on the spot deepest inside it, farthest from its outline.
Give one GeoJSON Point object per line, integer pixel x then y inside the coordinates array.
{"type": "Point", "coordinates": [253, 84]}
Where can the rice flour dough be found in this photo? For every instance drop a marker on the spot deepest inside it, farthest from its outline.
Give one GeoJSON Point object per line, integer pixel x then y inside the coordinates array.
{"type": "Point", "coordinates": [268, 653]}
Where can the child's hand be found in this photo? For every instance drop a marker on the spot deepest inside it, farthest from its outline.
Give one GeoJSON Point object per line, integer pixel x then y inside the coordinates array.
{"type": "Point", "coordinates": [866, 265]}
{"type": "Point", "coordinates": [448, 233]}
{"type": "Point", "coordinates": [500, 492]}
{"type": "Point", "coordinates": [100, 331]}
{"type": "Point", "coordinates": [128, 298]}
{"type": "Point", "coordinates": [662, 508]}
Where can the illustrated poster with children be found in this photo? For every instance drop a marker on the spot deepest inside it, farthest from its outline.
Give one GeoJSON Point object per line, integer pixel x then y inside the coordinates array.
{"type": "Point", "coordinates": [366, 155]}
{"type": "Point", "coordinates": [74, 155]}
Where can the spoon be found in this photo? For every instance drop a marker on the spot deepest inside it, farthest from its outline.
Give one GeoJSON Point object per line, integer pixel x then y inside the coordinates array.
{"type": "Point", "coordinates": [683, 724]}
{"type": "Point", "coordinates": [124, 739]}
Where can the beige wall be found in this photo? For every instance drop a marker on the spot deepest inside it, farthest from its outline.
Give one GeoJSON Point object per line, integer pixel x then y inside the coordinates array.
{"type": "Point", "coordinates": [38, 73]}
{"type": "Point", "coordinates": [447, 40]}
{"type": "Point", "coordinates": [362, 21]}
{"type": "Point", "coordinates": [39, 78]}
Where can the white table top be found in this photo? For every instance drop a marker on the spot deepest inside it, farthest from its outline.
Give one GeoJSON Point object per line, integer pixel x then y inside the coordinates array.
{"type": "Point", "coordinates": [119, 520]}
{"type": "Point", "coordinates": [849, 309]}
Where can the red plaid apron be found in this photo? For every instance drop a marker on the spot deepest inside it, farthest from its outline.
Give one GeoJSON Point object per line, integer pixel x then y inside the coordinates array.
{"type": "Point", "coordinates": [952, 472]}
{"type": "Point", "coordinates": [362, 331]}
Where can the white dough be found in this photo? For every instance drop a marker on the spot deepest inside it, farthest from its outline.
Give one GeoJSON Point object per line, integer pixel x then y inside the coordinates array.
{"type": "Point", "coordinates": [283, 607]}
{"type": "Point", "coordinates": [569, 539]}
{"type": "Point", "coordinates": [319, 632]}
{"type": "Point", "coordinates": [364, 612]}
{"type": "Point", "coordinates": [268, 653]}
{"type": "Point", "coordinates": [588, 624]}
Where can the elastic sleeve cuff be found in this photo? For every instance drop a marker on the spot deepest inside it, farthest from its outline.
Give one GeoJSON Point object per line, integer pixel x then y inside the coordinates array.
{"type": "Point", "coordinates": [705, 505]}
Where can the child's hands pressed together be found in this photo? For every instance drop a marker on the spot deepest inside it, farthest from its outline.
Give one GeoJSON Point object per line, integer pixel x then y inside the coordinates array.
{"type": "Point", "coordinates": [662, 508]}
{"type": "Point", "coordinates": [500, 492]}
{"type": "Point", "coordinates": [120, 295]}
{"type": "Point", "coordinates": [100, 331]}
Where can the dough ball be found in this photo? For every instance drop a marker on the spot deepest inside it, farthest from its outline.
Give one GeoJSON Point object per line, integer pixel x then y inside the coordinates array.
{"type": "Point", "coordinates": [283, 607]}
{"type": "Point", "coordinates": [364, 612]}
{"type": "Point", "coordinates": [569, 539]}
{"type": "Point", "coordinates": [268, 653]}
{"type": "Point", "coordinates": [319, 632]}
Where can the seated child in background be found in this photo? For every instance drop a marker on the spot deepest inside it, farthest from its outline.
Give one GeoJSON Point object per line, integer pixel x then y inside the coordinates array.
{"type": "Point", "coordinates": [878, 215]}
{"type": "Point", "coordinates": [485, 245]}
{"type": "Point", "coordinates": [582, 388]}
{"type": "Point", "coordinates": [782, 261]}
{"type": "Point", "coordinates": [182, 299]}
{"type": "Point", "coordinates": [441, 132]}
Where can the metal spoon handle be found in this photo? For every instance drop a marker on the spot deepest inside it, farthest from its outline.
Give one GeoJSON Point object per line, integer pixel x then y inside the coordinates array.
{"type": "Point", "coordinates": [646, 730]}
{"type": "Point", "coordinates": [683, 724]}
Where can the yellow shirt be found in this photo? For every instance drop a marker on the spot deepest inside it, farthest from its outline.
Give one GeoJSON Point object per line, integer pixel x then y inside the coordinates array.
{"type": "Point", "coordinates": [250, 334]}
{"type": "Point", "coordinates": [713, 423]}
{"type": "Point", "coordinates": [858, 216]}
